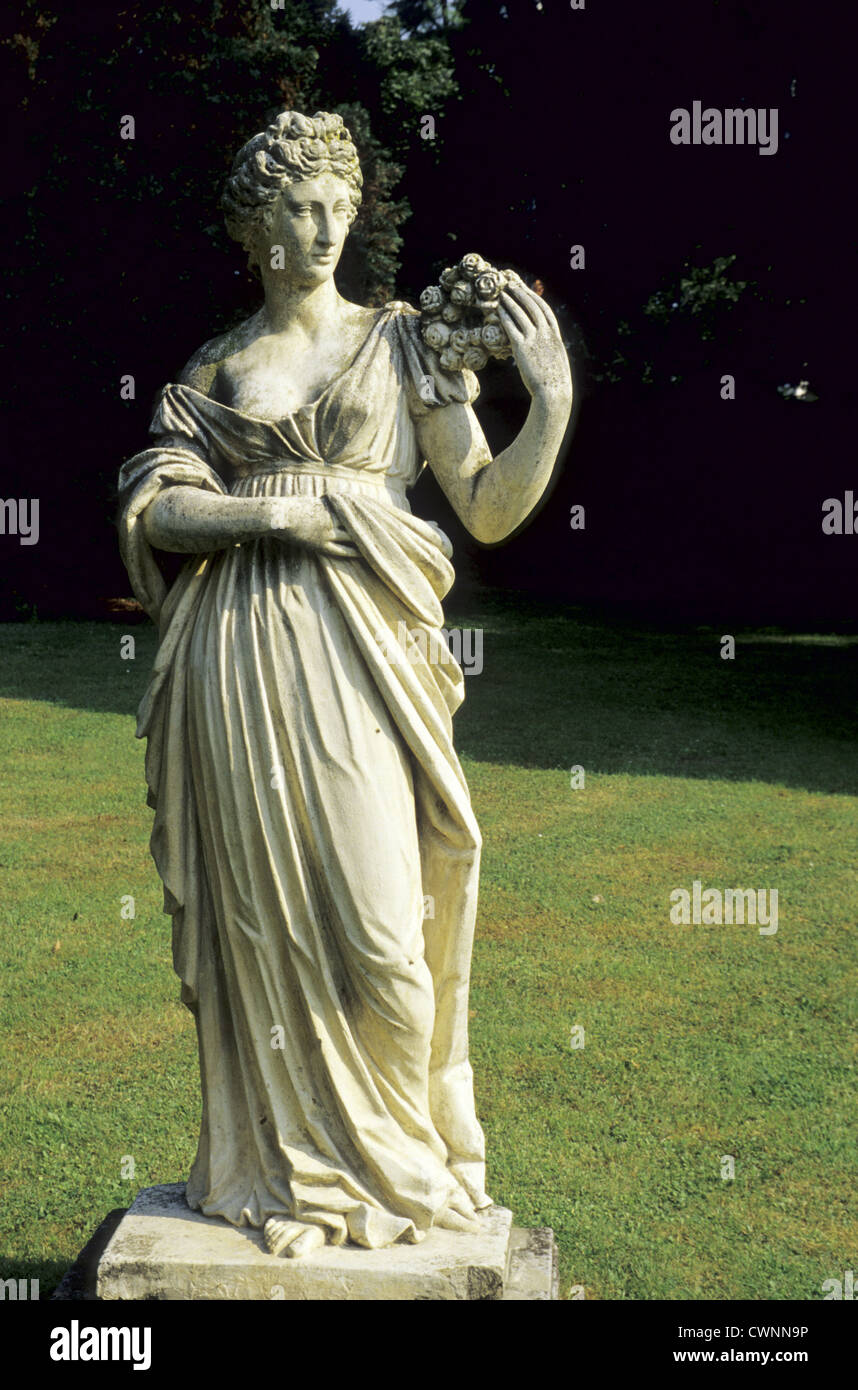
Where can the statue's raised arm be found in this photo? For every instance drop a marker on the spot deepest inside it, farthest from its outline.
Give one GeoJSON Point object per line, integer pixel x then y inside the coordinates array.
{"type": "Point", "coordinates": [492, 497]}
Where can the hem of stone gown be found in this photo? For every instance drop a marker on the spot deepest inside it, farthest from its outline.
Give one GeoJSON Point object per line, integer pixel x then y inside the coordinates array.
{"type": "Point", "coordinates": [370, 1227]}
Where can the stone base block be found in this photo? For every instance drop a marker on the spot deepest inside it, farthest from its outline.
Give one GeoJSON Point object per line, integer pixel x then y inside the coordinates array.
{"type": "Point", "coordinates": [532, 1272]}
{"type": "Point", "coordinates": [163, 1250]}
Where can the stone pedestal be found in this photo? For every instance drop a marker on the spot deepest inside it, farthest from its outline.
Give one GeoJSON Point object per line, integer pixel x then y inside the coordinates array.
{"type": "Point", "coordinates": [163, 1250]}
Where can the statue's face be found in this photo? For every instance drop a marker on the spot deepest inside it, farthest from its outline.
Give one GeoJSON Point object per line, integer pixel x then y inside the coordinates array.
{"type": "Point", "coordinates": [310, 222]}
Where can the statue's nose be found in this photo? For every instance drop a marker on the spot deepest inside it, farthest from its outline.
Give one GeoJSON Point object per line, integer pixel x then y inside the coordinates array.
{"type": "Point", "coordinates": [325, 235]}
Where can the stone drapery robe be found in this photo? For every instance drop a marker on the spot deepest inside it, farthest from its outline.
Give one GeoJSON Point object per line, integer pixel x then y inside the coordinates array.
{"type": "Point", "coordinates": [307, 799]}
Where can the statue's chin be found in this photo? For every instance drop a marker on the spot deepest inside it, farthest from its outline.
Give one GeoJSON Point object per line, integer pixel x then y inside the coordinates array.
{"type": "Point", "coordinates": [315, 274]}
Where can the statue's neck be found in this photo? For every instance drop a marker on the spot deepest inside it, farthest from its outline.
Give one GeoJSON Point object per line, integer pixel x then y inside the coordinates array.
{"type": "Point", "coordinates": [288, 306]}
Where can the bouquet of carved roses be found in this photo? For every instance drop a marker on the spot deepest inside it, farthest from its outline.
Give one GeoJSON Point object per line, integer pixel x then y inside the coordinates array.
{"type": "Point", "coordinates": [459, 315]}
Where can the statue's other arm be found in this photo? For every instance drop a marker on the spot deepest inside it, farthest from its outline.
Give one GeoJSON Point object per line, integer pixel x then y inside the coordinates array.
{"type": "Point", "coordinates": [494, 496]}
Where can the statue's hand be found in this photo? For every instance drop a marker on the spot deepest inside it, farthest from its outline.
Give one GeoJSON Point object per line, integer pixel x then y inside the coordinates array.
{"type": "Point", "coordinates": [307, 521]}
{"type": "Point", "coordinates": [536, 343]}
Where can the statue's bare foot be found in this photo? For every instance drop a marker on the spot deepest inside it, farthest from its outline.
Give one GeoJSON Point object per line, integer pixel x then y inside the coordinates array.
{"type": "Point", "coordinates": [311, 1238]}
{"type": "Point", "coordinates": [291, 1238]}
{"type": "Point", "coordinates": [458, 1214]}
{"type": "Point", "coordinates": [278, 1233]}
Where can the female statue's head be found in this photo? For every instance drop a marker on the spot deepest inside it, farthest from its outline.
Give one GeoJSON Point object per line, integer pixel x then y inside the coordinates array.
{"type": "Point", "coordinates": [315, 152]}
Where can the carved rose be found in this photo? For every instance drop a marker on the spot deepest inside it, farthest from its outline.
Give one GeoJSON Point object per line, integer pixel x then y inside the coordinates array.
{"type": "Point", "coordinates": [431, 298]}
{"type": "Point", "coordinates": [448, 277]}
{"type": "Point", "coordinates": [436, 335]}
{"type": "Point", "coordinates": [451, 360]}
{"type": "Point", "coordinates": [475, 337]}
{"type": "Point", "coordinates": [472, 264]}
{"type": "Point", "coordinates": [460, 339]}
{"type": "Point", "coordinates": [462, 292]}
{"type": "Point", "coordinates": [474, 358]}
{"type": "Point", "coordinates": [451, 313]}
{"type": "Point", "coordinates": [493, 336]}
{"type": "Point", "coordinates": [489, 284]}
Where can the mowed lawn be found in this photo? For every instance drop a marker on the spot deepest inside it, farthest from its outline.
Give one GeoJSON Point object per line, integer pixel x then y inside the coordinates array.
{"type": "Point", "coordinates": [700, 1043]}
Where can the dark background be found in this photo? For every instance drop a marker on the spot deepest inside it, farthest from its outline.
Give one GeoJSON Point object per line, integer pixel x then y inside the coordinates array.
{"type": "Point", "coordinates": [552, 129]}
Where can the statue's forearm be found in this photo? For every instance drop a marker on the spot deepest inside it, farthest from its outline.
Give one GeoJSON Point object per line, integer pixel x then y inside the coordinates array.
{"type": "Point", "coordinates": [191, 520]}
{"type": "Point", "coordinates": [507, 489]}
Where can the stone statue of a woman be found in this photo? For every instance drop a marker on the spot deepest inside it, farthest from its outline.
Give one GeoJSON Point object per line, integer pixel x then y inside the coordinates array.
{"type": "Point", "coordinates": [307, 795]}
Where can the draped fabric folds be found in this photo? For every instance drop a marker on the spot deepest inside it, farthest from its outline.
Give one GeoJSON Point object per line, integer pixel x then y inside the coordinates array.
{"type": "Point", "coordinates": [313, 828]}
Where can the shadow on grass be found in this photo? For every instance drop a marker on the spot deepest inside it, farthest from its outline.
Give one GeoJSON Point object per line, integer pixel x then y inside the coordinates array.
{"type": "Point", "coordinates": [24, 1281]}
{"type": "Point", "coordinates": [560, 686]}
{"type": "Point", "coordinates": [563, 687]}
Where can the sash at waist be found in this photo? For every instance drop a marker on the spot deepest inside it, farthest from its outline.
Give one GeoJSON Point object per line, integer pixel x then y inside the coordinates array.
{"type": "Point", "coordinates": [316, 482]}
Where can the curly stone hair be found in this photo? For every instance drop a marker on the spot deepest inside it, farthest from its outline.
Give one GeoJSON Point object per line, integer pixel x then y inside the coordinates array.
{"type": "Point", "coordinates": [291, 148]}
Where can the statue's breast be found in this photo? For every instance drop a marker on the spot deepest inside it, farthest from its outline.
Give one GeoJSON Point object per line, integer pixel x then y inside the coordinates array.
{"type": "Point", "coordinates": [359, 419]}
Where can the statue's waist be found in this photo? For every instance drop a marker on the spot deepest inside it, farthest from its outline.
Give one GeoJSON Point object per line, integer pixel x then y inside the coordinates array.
{"type": "Point", "coordinates": [313, 480]}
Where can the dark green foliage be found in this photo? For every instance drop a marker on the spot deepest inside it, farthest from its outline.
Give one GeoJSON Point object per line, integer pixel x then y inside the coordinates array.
{"type": "Point", "coordinates": [662, 341]}
{"type": "Point", "coordinates": [700, 293]}
{"type": "Point", "coordinates": [550, 132]}
{"type": "Point", "coordinates": [198, 80]}
{"type": "Point", "coordinates": [416, 77]}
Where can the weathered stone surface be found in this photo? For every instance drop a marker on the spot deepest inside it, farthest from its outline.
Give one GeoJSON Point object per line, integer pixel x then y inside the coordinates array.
{"type": "Point", "coordinates": [163, 1250]}
{"type": "Point", "coordinates": [531, 1265]}
{"type": "Point", "coordinates": [532, 1273]}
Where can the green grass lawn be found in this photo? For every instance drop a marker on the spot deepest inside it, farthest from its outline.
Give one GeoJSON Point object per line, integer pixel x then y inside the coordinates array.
{"type": "Point", "coordinates": [700, 1042]}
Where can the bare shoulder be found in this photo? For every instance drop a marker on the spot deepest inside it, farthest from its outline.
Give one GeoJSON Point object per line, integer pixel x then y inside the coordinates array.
{"type": "Point", "coordinates": [200, 371]}
{"type": "Point", "coordinates": [357, 319]}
